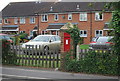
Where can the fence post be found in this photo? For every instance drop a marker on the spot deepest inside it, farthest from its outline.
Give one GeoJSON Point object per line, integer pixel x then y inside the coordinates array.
{"type": "Point", "coordinates": [78, 50]}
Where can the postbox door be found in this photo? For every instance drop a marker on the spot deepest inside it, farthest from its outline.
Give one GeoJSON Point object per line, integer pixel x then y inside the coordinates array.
{"type": "Point", "coordinates": [66, 42]}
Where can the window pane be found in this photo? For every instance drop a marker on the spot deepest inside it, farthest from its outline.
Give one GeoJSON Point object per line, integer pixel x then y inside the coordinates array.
{"type": "Point", "coordinates": [97, 16]}
{"type": "Point", "coordinates": [45, 17]}
{"type": "Point", "coordinates": [83, 16]}
{"type": "Point", "coordinates": [97, 32]}
{"type": "Point", "coordinates": [100, 16]}
{"type": "Point", "coordinates": [5, 20]}
{"type": "Point", "coordinates": [32, 20]}
{"type": "Point", "coordinates": [69, 16]}
{"type": "Point", "coordinates": [0, 20]}
{"type": "Point", "coordinates": [85, 32]}
{"type": "Point", "coordinates": [81, 32]}
{"type": "Point", "coordinates": [42, 17]}
{"type": "Point", "coordinates": [22, 20]}
{"type": "Point", "coordinates": [16, 20]}
{"type": "Point", "coordinates": [100, 32]}
{"type": "Point", "coordinates": [56, 17]}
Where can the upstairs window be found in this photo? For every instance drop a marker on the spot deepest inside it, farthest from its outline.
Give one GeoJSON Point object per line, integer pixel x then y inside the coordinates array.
{"type": "Point", "coordinates": [15, 20]}
{"type": "Point", "coordinates": [44, 18]}
{"type": "Point", "coordinates": [98, 33]}
{"type": "Point", "coordinates": [0, 20]}
{"type": "Point", "coordinates": [22, 20]}
{"type": "Point", "coordinates": [32, 20]}
{"type": "Point", "coordinates": [83, 16]}
{"type": "Point", "coordinates": [6, 20]}
{"type": "Point", "coordinates": [98, 16]}
{"type": "Point", "coordinates": [83, 33]}
{"type": "Point", "coordinates": [69, 16]}
{"type": "Point", "coordinates": [56, 17]}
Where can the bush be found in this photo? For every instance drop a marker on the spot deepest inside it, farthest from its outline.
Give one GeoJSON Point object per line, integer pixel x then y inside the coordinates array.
{"type": "Point", "coordinates": [8, 57]}
{"type": "Point", "coordinates": [23, 36]}
{"type": "Point", "coordinates": [97, 63]}
{"type": "Point", "coordinates": [70, 64]}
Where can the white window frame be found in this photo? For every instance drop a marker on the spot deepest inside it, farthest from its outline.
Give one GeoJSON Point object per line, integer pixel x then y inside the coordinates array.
{"type": "Point", "coordinates": [43, 17]}
{"type": "Point", "coordinates": [0, 20]}
{"type": "Point", "coordinates": [57, 32]}
{"type": "Point", "coordinates": [56, 17]}
{"type": "Point", "coordinates": [83, 16]}
{"type": "Point", "coordinates": [97, 16]}
{"type": "Point", "coordinates": [69, 16]}
{"type": "Point", "coordinates": [22, 31]}
{"type": "Point", "coordinates": [22, 20]}
{"type": "Point", "coordinates": [32, 20]}
{"type": "Point", "coordinates": [15, 20]}
{"type": "Point", "coordinates": [83, 33]}
{"type": "Point", "coordinates": [97, 35]}
{"type": "Point", "coordinates": [5, 20]}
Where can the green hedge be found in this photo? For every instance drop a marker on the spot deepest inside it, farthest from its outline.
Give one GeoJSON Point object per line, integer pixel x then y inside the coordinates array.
{"type": "Point", "coordinates": [95, 63]}
{"type": "Point", "coordinates": [8, 57]}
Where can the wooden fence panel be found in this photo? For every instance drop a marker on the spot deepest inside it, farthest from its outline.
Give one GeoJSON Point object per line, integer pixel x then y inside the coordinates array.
{"type": "Point", "coordinates": [32, 56]}
{"type": "Point", "coordinates": [50, 61]}
{"type": "Point", "coordinates": [81, 53]}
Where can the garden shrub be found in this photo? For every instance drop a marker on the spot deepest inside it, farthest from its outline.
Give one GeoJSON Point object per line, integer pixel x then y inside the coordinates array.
{"type": "Point", "coordinates": [102, 63]}
{"type": "Point", "coordinates": [8, 57]}
{"type": "Point", "coordinates": [23, 36]}
{"type": "Point", "coordinates": [93, 62]}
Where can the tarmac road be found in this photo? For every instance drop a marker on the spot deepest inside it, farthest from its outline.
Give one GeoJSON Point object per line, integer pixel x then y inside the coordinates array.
{"type": "Point", "coordinates": [25, 73]}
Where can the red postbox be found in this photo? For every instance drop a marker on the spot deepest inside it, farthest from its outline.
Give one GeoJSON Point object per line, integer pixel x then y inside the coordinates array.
{"type": "Point", "coordinates": [66, 42]}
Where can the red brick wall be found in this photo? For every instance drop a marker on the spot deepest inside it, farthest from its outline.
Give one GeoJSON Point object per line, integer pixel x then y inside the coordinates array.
{"type": "Point", "coordinates": [83, 25]}
{"type": "Point", "coordinates": [23, 27]}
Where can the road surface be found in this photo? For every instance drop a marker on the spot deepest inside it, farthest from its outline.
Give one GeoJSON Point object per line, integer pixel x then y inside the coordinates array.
{"type": "Point", "coordinates": [31, 74]}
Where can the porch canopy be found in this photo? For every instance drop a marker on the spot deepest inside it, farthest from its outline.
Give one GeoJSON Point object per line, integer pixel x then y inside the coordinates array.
{"type": "Point", "coordinates": [9, 28]}
{"type": "Point", "coordinates": [35, 28]}
{"type": "Point", "coordinates": [56, 26]}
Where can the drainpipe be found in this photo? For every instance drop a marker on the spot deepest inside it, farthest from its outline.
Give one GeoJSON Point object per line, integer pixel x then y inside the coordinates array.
{"type": "Point", "coordinates": [38, 24]}
{"type": "Point", "coordinates": [37, 15]}
{"type": "Point", "coordinates": [90, 26]}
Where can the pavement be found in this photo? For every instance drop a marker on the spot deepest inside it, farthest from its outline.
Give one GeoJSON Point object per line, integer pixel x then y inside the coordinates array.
{"type": "Point", "coordinates": [37, 74]}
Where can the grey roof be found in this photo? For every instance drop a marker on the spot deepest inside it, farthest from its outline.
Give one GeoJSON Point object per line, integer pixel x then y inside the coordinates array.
{"type": "Point", "coordinates": [13, 26]}
{"type": "Point", "coordinates": [54, 26]}
{"type": "Point", "coordinates": [57, 25]}
{"type": "Point", "coordinates": [9, 28]}
{"type": "Point", "coordinates": [30, 8]}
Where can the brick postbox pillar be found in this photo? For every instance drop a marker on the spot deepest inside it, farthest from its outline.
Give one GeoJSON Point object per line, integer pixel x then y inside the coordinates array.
{"type": "Point", "coordinates": [66, 44]}
{"type": "Point", "coordinates": [66, 41]}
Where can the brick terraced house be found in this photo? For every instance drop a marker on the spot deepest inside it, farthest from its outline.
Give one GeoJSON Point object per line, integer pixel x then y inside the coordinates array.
{"type": "Point", "coordinates": [49, 17]}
